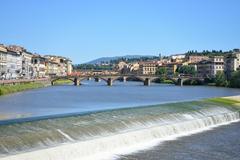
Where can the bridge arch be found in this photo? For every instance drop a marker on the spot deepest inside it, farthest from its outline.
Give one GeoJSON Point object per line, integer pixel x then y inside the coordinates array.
{"type": "Point", "coordinates": [174, 81]}
{"type": "Point", "coordinates": [137, 77]}
{"type": "Point", "coordinates": [61, 78]}
{"type": "Point", "coordinates": [192, 80]}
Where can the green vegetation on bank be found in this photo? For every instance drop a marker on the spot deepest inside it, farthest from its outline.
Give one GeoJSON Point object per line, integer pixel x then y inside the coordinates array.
{"type": "Point", "coordinates": [219, 80]}
{"type": "Point", "coordinates": [189, 70]}
{"type": "Point", "coordinates": [233, 82]}
{"type": "Point", "coordinates": [7, 89]}
{"type": "Point", "coordinates": [63, 81]}
{"type": "Point", "coordinates": [223, 101]}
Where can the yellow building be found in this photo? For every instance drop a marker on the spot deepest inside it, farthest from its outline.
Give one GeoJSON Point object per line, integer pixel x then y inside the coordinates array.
{"type": "Point", "coordinates": [64, 64]}
{"type": "Point", "coordinates": [51, 68]}
{"type": "Point", "coordinates": [172, 67]}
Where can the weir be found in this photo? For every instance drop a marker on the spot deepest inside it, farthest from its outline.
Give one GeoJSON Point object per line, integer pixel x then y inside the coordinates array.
{"type": "Point", "coordinates": [105, 133]}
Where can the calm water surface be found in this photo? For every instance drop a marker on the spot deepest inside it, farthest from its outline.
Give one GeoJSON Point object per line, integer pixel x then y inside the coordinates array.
{"type": "Point", "coordinates": [92, 96]}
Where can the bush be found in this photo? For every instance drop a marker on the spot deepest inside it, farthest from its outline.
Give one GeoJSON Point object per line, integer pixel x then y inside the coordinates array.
{"type": "Point", "coordinates": [187, 70]}
{"type": "Point", "coordinates": [220, 79]}
{"type": "Point", "coordinates": [235, 80]}
{"type": "Point", "coordinates": [168, 81]}
{"type": "Point", "coordinates": [192, 82]}
{"type": "Point", "coordinates": [208, 80]}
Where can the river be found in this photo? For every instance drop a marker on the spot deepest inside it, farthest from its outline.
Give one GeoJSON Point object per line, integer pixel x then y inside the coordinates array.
{"type": "Point", "coordinates": [94, 121]}
{"type": "Point", "coordinates": [92, 96]}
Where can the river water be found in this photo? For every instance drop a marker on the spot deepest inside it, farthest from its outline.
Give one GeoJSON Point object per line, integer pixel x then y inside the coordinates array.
{"type": "Point", "coordinates": [94, 121]}
{"type": "Point", "coordinates": [92, 96]}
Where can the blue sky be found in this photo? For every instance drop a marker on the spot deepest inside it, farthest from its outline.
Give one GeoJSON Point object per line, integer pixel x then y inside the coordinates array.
{"type": "Point", "coordinates": [86, 29]}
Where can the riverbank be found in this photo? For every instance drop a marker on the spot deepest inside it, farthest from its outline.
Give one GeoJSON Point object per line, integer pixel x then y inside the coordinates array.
{"type": "Point", "coordinates": [8, 89]}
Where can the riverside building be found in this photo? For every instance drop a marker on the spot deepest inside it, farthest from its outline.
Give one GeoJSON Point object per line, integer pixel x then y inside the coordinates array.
{"type": "Point", "coordinates": [3, 62]}
{"type": "Point", "coordinates": [231, 63]}
{"type": "Point", "coordinates": [39, 64]}
{"type": "Point", "coordinates": [18, 63]}
{"type": "Point", "coordinates": [27, 66]}
{"type": "Point", "coordinates": [147, 68]}
{"type": "Point", "coordinates": [209, 68]}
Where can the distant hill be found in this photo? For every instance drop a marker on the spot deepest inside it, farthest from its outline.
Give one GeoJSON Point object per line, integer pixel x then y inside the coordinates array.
{"type": "Point", "coordinates": [108, 59]}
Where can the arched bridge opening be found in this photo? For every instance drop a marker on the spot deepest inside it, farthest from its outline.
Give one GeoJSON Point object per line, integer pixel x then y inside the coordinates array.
{"type": "Point", "coordinates": [166, 80]}
{"type": "Point", "coordinates": [53, 81]}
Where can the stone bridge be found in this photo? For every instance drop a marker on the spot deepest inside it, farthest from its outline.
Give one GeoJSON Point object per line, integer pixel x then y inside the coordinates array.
{"type": "Point", "coordinates": [109, 79]}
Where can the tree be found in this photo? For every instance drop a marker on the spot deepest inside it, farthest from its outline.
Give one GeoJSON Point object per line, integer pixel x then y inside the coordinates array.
{"type": "Point", "coordinates": [235, 80]}
{"type": "Point", "coordinates": [220, 79]}
{"type": "Point", "coordinates": [161, 71]}
{"type": "Point", "coordinates": [187, 70]}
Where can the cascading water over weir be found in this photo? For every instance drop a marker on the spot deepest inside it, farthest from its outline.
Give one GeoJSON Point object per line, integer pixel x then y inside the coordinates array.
{"type": "Point", "coordinates": [104, 134]}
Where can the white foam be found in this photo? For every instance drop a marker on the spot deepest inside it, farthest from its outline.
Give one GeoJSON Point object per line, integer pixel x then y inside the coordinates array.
{"type": "Point", "coordinates": [65, 135]}
{"type": "Point", "coordinates": [111, 146]}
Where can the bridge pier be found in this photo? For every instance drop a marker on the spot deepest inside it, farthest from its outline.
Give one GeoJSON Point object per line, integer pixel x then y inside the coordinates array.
{"type": "Point", "coordinates": [124, 79]}
{"type": "Point", "coordinates": [147, 82]}
{"type": "Point", "coordinates": [180, 81]}
{"type": "Point", "coordinates": [76, 81]}
{"type": "Point", "coordinates": [181, 84]}
{"type": "Point", "coordinates": [97, 79]}
{"type": "Point", "coordinates": [109, 82]}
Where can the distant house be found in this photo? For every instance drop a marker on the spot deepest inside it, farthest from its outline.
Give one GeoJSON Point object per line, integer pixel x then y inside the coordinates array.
{"type": "Point", "coordinates": [16, 62]}
{"type": "Point", "coordinates": [172, 68]}
{"type": "Point", "coordinates": [69, 66]}
{"type": "Point", "coordinates": [147, 68]}
{"type": "Point", "coordinates": [178, 58]}
{"type": "Point", "coordinates": [196, 59]}
{"type": "Point", "coordinates": [209, 68]}
{"type": "Point", "coordinates": [27, 66]}
{"type": "Point", "coordinates": [51, 68]}
{"type": "Point", "coordinates": [121, 67]}
{"type": "Point", "coordinates": [134, 67]}
{"type": "Point", "coordinates": [231, 63]}
{"type": "Point", "coordinates": [39, 66]}
{"type": "Point", "coordinates": [64, 64]}
{"type": "Point", "coordinates": [26, 57]}
{"type": "Point", "coordinates": [14, 65]}
{"type": "Point", "coordinates": [3, 62]}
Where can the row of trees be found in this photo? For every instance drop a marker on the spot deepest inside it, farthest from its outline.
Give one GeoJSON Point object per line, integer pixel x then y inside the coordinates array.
{"type": "Point", "coordinates": [234, 81]}
{"type": "Point", "coordinates": [208, 53]}
{"type": "Point", "coordinates": [92, 67]}
{"type": "Point", "coordinates": [188, 70]}
{"type": "Point", "coordinates": [130, 60]}
{"type": "Point", "coordinates": [219, 80]}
